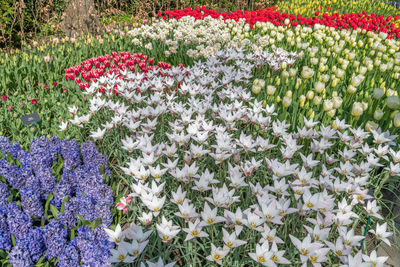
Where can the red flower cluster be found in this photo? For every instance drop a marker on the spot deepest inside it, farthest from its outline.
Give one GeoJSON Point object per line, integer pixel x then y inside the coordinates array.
{"type": "Point", "coordinates": [362, 20]}
{"type": "Point", "coordinates": [91, 69]}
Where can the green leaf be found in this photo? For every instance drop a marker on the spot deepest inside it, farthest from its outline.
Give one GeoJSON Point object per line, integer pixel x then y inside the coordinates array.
{"type": "Point", "coordinates": [19, 165]}
{"type": "Point", "coordinates": [72, 234]}
{"type": "Point", "coordinates": [62, 205]}
{"type": "Point", "coordinates": [46, 206]}
{"type": "Point", "coordinates": [13, 240]}
{"type": "Point", "coordinates": [54, 210]}
{"type": "Point", "coordinates": [3, 254]}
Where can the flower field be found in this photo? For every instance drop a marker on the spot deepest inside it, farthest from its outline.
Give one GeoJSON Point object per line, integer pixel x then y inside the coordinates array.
{"type": "Point", "coordinates": [206, 138]}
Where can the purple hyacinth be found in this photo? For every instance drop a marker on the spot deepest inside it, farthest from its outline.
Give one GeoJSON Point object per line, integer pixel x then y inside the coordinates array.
{"type": "Point", "coordinates": [5, 241]}
{"type": "Point", "coordinates": [86, 208]}
{"type": "Point", "coordinates": [34, 243]}
{"type": "Point", "coordinates": [103, 212]}
{"type": "Point", "coordinates": [7, 147]}
{"type": "Point", "coordinates": [20, 257]}
{"type": "Point", "coordinates": [31, 202]}
{"type": "Point", "coordinates": [70, 257]}
{"type": "Point", "coordinates": [45, 151]}
{"type": "Point", "coordinates": [47, 180]}
{"type": "Point", "coordinates": [71, 208]}
{"type": "Point", "coordinates": [92, 158]}
{"type": "Point", "coordinates": [4, 195]}
{"type": "Point", "coordinates": [55, 239]}
{"type": "Point", "coordinates": [3, 223]}
{"type": "Point", "coordinates": [5, 238]}
{"type": "Point", "coordinates": [87, 194]}
{"type": "Point", "coordinates": [94, 252]}
{"type": "Point", "coordinates": [70, 152]}
{"type": "Point", "coordinates": [25, 158]}
{"type": "Point", "coordinates": [62, 189]}
{"type": "Point", "coordinates": [11, 173]}
{"type": "Point", "coordinates": [18, 221]}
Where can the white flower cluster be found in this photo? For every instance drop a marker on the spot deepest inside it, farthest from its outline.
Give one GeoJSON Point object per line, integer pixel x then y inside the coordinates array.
{"type": "Point", "coordinates": [229, 165]}
{"type": "Point", "coordinates": [331, 59]}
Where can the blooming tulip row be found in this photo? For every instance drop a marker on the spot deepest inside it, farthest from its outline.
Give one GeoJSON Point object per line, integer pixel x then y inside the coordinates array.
{"type": "Point", "coordinates": [337, 71]}
{"type": "Point", "coordinates": [362, 20]}
{"type": "Point", "coordinates": [214, 145]}
{"type": "Point", "coordinates": [309, 7]}
{"type": "Point", "coordinates": [215, 125]}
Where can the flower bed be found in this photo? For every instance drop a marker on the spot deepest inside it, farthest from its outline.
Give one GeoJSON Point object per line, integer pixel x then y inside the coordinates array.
{"type": "Point", "coordinates": [239, 139]}
{"type": "Point", "coordinates": [343, 74]}
{"type": "Point", "coordinates": [361, 20]}
{"type": "Point", "coordinates": [214, 175]}
{"type": "Point", "coordinates": [52, 202]}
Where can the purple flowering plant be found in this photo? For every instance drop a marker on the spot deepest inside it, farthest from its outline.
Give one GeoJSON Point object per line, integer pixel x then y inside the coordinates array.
{"type": "Point", "coordinates": [53, 199]}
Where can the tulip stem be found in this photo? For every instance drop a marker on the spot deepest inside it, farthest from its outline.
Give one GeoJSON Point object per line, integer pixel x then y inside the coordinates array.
{"type": "Point", "coordinates": [365, 231]}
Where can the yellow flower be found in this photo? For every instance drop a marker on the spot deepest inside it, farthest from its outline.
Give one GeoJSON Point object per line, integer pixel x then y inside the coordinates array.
{"type": "Point", "coordinates": [331, 113]}
{"type": "Point", "coordinates": [357, 109]}
{"type": "Point", "coordinates": [287, 101]}
{"type": "Point", "coordinates": [396, 120]}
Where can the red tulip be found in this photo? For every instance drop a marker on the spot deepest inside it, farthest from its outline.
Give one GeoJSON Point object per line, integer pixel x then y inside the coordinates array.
{"type": "Point", "coordinates": [54, 83]}
{"type": "Point", "coordinates": [4, 97]}
{"type": "Point", "coordinates": [46, 87]}
{"type": "Point", "coordinates": [34, 101]}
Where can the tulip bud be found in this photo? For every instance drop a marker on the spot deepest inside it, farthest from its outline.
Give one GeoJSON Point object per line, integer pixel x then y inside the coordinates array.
{"type": "Point", "coordinates": [264, 104]}
{"type": "Point", "coordinates": [327, 105]}
{"type": "Point", "coordinates": [271, 90]}
{"type": "Point", "coordinates": [357, 109]}
{"type": "Point", "coordinates": [351, 89]}
{"type": "Point", "coordinates": [393, 114]}
{"type": "Point", "coordinates": [364, 105]}
{"type": "Point", "coordinates": [396, 120]}
{"type": "Point", "coordinates": [331, 113]}
{"type": "Point", "coordinates": [319, 87]}
{"type": "Point", "coordinates": [256, 89]}
{"type": "Point", "coordinates": [261, 83]}
{"type": "Point", "coordinates": [378, 93]}
{"type": "Point", "coordinates": [289, 93]}
{"type": "Point", "coordinates": [371, 126]}
{"type": "Point", "coordinates": [310, 95]}
{"type": "Point", "coordinates": [392, 102]}
{"type": "Point", "coordinates": [302, 100]}
{"type": "Point", "coordinates": [278, 99]}
{"type": "Point", "coordinates": [292, 72]}
{"type": "Point", "coordinates": [378, 114]}
{"type": "Point", "coordinates": [391, 92]}
{"type": "Point", "coordinates": [287, 101]}
{"type": "Point", "coordinates": [317, 100]}
{"type": "Point", "coordinates": [334, 82]}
